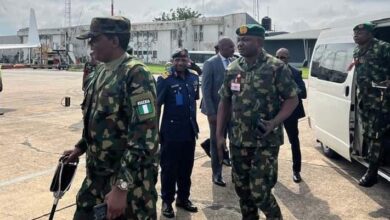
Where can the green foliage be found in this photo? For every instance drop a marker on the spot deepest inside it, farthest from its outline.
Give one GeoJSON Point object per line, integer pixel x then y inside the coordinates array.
{"type": "Point", "coordinates": [156, 68]}
{"type": "Point", "coordinates": [178, 14]}
{"type": "Point", "coordinates": [305, 72]}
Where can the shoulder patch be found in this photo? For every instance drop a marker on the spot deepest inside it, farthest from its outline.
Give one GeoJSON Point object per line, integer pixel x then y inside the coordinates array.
{"type": "Point", "coordinates": [144, 106]}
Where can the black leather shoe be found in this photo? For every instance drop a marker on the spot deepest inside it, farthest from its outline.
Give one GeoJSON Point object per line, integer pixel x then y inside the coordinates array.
{"type": "Point", "coordinates": [167, 210]}
{"type": "Point", "coordinates": [219, 182]}
{"type": "Point", "coordinates": [206, 147]}
{"type": "Point", "coordinates": [297, 177]}
{"type": "Point", "coordinates": [187, 205]}
{"type": "Point", "coordinates": [227, 162]}
{"type": "Point", "coordinates": [369, 179]}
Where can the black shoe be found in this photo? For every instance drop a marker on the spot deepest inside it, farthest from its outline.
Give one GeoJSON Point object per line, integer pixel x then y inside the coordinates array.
{"type": "Point", "coordinates": [369, 179]}
{"type": "Point", "coordinates": [297, 177]}
{"type": "Point", "coordinates": [227, 162]}
{"type": "Point", "coordinates": [206, 147]}
{"type": "Point", "coordinates": [187, 205]}
{"type": "Point", "coordinates": [167, 210]}
{"type": "Point", "coordinates": [219, 182]}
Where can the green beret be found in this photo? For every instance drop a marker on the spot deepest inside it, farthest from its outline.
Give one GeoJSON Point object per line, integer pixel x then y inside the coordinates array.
{"type": "Point", "coordinates": [368, 26]}
{"type": "Point", "coordinates": [183, 53]}
{"type": "Point", "coordinates": [251, 30]}
{"type": "Point", "coordinates": [107, 25]}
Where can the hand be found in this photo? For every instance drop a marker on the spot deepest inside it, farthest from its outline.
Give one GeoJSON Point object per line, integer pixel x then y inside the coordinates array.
{"type": "Point", "coordinates": [116, 201]}
{"type": "Point", "coordinates": [269, 127]}
{"type": "Point", "coordinates": [212, 119]}
{"type": "Point", "coordinates": [221, 146]}
{"type": "Point", "coordinates": [72, 155]}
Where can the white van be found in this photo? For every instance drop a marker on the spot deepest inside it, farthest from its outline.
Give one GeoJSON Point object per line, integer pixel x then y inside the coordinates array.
{"type": "Point", "coordinates": [332, 101]}
{"type": "Point", "coordinates": [199, 56]}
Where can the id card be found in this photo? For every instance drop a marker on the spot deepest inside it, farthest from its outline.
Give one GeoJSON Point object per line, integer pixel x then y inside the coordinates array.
{"type": "Point", "coordinates": [179, 99]}
{"type": "Point", "coordinates": [235, 86]}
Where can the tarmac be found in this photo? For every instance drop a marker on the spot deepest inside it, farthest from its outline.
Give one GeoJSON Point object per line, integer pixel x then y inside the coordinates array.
{"type": "Point", "coordinates": [36, 129]}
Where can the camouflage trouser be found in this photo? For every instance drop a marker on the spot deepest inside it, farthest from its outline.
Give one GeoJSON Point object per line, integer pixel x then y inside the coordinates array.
{"type": "Point", "coordinates": [141, 199]}
{"type": "Point", "coordinates": [254, 174]}
{"type": "Point", "coordinates": [375, 150]}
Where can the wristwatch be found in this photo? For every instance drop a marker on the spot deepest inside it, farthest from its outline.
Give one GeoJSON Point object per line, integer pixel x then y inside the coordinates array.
{"type": "Point", "coordinates": [122, 185]}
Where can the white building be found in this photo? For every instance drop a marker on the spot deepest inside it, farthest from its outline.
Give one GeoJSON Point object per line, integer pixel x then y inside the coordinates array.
{"type": "Point", "coordinates": [154, 42]}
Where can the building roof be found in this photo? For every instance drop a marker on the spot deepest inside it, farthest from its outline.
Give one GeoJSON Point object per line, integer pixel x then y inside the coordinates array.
{"type": "Point", "coordinates": [310, 34]}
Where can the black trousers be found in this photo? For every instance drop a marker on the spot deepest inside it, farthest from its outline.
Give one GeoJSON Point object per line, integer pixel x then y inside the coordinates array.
{"type": "Point", "coordinates": [291, 126]}
{"type": "Point", "coordinates": [177, 161]}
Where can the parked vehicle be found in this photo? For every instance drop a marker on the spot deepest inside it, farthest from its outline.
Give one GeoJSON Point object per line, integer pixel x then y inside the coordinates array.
{"type": "Point", "coordinates": [332, 102]}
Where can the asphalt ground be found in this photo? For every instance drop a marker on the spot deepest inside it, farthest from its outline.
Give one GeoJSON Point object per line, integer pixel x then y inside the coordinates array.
{"type": "Point", "coordinates": [36, 129]}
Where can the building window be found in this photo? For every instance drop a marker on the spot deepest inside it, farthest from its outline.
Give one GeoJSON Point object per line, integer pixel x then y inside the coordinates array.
{"type": "Point", "coordinates": [195, 36]}
{"type": "Point", "coordinates": [154, 54]}
{"type": "Point", "coordinates": [201, 33]}
{"type": "Point", "coordinates": [174, 34]}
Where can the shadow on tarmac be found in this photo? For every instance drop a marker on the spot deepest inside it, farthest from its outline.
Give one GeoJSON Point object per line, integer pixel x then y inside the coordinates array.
{"type": "Point", "coordinates": [303, 203]}
{"type": "Point", "coordinates": [353, 171]}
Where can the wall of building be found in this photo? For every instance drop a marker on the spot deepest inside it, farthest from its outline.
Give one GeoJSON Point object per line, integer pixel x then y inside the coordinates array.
{"type": "Point", "coordinates": [154, 42]}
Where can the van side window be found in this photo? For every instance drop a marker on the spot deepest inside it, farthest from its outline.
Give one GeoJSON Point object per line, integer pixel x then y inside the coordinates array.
{"type": "Point", "coordinates": [331, 61]}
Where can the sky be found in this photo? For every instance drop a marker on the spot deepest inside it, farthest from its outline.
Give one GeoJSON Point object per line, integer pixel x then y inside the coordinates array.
{"type": "Point", "coordinates": [286, 15]}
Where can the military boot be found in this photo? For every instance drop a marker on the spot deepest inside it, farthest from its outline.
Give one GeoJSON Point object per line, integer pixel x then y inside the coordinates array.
{"type": "Point", "coordinates": [370, 178]}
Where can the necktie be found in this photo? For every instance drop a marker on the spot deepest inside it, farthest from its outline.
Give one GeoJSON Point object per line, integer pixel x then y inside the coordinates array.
{"type": "Point", "coordinates": [226, 63]}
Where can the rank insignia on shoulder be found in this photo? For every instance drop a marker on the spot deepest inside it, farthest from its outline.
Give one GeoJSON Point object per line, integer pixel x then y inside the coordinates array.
{"type": "Point", "coordinates": [165, 75]}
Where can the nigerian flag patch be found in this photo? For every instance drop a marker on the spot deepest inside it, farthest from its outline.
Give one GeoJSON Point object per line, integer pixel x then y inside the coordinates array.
{"type": "Point", "coordinates": [144, 107]}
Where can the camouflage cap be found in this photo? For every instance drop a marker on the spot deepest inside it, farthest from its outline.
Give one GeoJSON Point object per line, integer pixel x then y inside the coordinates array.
{"type": "Point", "coordinates": [182, 53]}
{"type": "Point", "coordinates": [251, 30]}
{"type": "Point", "coordinates": [107, 25]}
{"type": "Point", "coordinates": [368, 26]}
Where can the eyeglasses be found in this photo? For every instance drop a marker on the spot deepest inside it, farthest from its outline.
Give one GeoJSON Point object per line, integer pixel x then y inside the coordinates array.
{"type": "Point", "coordinates": [281, 57]}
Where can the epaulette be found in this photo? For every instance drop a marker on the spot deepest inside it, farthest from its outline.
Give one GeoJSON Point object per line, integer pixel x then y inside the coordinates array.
{"type": "Point", "coordinates": [193, 72]}
{"type": "Point", "coordinates": [165, 74]}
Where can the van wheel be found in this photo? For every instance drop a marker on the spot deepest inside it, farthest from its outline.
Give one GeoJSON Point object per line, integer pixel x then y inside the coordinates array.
{"type": "Point", "coordinates": [328, 151]}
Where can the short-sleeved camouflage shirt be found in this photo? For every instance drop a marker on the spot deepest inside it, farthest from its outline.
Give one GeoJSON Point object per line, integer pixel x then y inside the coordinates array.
{"type": "Point", "coordinates": [263, 87]}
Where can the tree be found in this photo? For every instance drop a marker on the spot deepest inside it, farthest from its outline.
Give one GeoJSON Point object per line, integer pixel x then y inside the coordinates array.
{"type": "Point", "coordinates": [178, 14]}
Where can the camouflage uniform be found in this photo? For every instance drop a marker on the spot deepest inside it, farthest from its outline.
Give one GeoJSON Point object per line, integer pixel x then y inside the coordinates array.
{"type": "Point", "coordinates": [120, 138]}
{"type": "Point", "coordinates": [255, 161]}
{"type": "Point", "coordinates": [372, 65]}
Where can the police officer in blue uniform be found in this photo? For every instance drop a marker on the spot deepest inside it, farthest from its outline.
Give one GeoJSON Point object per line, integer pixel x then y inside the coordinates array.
{"type": "Point", "coordinates": [178, 92]}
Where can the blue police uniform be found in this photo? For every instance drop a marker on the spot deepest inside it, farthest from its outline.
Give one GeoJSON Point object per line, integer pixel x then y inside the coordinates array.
{"type": "Point", "coordinates": [178, 132]}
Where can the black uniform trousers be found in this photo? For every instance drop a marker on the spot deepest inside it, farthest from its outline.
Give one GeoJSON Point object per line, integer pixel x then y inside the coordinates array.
{"type": "Point", "coordinates": [177, 161]}
{"type": "Point", "coordinates": [291, 126]}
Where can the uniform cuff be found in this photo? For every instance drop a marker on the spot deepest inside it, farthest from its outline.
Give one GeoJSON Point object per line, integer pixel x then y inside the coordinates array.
{"type": "Point", "coordinates": [82, 144]}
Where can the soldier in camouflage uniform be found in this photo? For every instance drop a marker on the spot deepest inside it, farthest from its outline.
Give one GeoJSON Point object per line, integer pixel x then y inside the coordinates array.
{"type": "Point", "coordinates": [372, 66]}
{"type": "Point", "coordinates": [256, 86]}
{"type": "Point", "coordinates": [120, 129]}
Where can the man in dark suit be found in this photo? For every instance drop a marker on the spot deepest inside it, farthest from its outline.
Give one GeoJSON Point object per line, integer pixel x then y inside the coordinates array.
{"type": "Point", "coordinates": [291, 123]}
{"type": "Point", "coordinates": [213, 75]}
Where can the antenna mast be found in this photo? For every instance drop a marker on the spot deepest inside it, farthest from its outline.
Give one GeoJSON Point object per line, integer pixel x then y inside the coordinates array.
{"type": "Point", "coordinates": [112, 7]}
{"type": "Point", "coordinates": [68, 14]}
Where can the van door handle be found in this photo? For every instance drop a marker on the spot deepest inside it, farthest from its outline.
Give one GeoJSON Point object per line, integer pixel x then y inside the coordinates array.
{"type": "Point", "coordinates": [347, 91]}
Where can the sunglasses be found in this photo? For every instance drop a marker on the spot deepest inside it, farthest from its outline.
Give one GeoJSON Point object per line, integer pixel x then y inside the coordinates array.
{"type": "Point", "coordinates": [281, 57]}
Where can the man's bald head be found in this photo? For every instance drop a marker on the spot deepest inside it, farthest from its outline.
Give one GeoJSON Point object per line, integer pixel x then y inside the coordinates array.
{"type": "Point", "coordinates": [226, 47]}
{"type": "Point", "coordinates": [283, 55]}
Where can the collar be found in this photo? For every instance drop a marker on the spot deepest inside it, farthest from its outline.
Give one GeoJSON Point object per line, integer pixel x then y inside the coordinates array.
{"type": "Point", "coordinates": [113, 65]}
{"type": "Point", "coordinates": [222, 57]}
{"type": "Point", "coordinates": [261, 58]}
